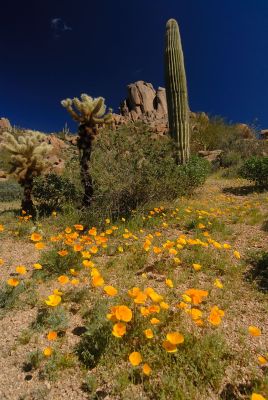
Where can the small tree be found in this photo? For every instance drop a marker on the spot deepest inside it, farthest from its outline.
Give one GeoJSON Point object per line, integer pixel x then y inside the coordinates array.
{"type": "Point", "coordinates": [90, 114]}
{"type": "Point", "coordinates": [27, 160]}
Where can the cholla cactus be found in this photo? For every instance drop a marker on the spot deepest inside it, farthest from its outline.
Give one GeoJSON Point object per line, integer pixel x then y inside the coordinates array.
{"type": "Point", "coordinates": [88, 111]}
{"type": "Point", "coordinates": [90, 114]}
{"type": "Point", "coordinates": [27, 161]}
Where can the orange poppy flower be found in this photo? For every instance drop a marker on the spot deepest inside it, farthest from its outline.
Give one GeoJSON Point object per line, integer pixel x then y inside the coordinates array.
{"type": "Point", "coordinates": [135, 358]}
{"type": "Point", "coordinates": [175, 338]}
{"type": "Point", "coordinates": [197, 267]}
{"type": "Point", "coordinates": [110, 290]}
{"type": "Point", "coordinates": [169, 347]}
{"type": "Point", "coordinates": [254, 331]}
{"type": "Point", "coordinates": [47, 351]}
{"type": "Point", "coordinates": [78, 247]}
{"type": "Point", "coordinates": [20, 269]}
{"type": "Point", "coordinates": [123, 313]}
{"type": "Point", "coordinates": [37, 266]}
{"type": "Point", "coordinates": [148, 333]}
{"type": "Point", "coordinates": [119, 329]}
{"type": "Point", "coordinates": [53, 300]}
{"type": "Point", "coordinates": [146, 369]}
{"type": "Point", "coordinates": [169, 283]}
{"type": "Point", "coordinates": [134, 292]}
{"type": "Point", "coordinates": [196, 295]}
{"type": "Point", "coordinates": [94, 249]}
{"type": "Point", "coordinates": [52, 335]}
{"type": "Point", "coordinates": [88, 263]}
{"type": "Point", "coordinates": [63, 253]}
{"type": "Point", "coordinates": [140, 298]}
{"type": "Point", "coordinates": [215, 315]}
{"type": "Point", "coordinates": [79, 227]}
{"type": "Point", "coordinates": [39, 245]}
{"type": "Point", "coordinates": [13, 282]}
{"type": "Point", "coordinates": [155, 321]}
{"type": "Point", "coordinates": [97, 281]}
{"type": "Point", "coordinates": [63, 279]}
{"type": "Point", "coordinates": [237, 255]}
{"type": "Point", "coordinates": [36, 237]}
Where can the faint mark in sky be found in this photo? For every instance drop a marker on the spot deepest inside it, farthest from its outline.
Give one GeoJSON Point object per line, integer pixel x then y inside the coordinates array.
{"type": "Point", "coordinates": [59, 26]}
{"type": "Point", "coordinates": [137, 71]}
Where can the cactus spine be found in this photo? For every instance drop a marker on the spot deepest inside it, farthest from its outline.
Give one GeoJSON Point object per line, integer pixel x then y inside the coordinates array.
{"type": "Point", "coordinates": [176, 89]}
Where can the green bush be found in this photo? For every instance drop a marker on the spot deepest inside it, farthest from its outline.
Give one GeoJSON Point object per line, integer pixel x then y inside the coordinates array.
{"type": "Point", "coordinates": [255, 169]}
{"type": "Point", "coordinates": [238, 144]}
{"type": "Point", "coordinates": [52, 191]}
{"type": "Point", "coordinates": [130, 167]}
{"type": "Point", "coordinates": [10, 191]}
{"type": "Point", "coordinates": [231, 159]}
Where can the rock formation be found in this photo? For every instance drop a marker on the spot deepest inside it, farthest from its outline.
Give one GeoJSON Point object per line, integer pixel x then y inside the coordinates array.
{"type": "Point", "coordinates": [5, 124]}
{"type": "Point", "coordinates": [144, 104]}
{"type": "Point", "coordinates": [148, 105]}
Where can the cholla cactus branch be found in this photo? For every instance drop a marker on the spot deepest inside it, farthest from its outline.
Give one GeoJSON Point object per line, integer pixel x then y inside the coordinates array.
{"type": "Point", "coordinates": [87, 110]}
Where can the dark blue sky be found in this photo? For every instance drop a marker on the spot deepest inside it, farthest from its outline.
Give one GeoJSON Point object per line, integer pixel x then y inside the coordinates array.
{"type": "Point", "coordinates": [98, 47]}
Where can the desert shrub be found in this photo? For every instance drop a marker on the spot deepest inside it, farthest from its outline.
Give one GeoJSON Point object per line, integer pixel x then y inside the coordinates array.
{"type": "Point", "coordinates": [231, 159]}
{"type": "Point", "coordinates": [55, 264]}
{"type": "Point", "coordinates": [53, 190]}
{"type": "Point", "coordinates": [255, 169]}
{"type": "Point", "coordinates": [57, 363]}
{"type": "Point", "coordinates": [237, 144]}
{"type": "Point", "coordinates": [211, 134]}
{"type": "Point", "coordinates": [10, 190]}
{"type": "Point", "coordinates": [96, 338]}
{"type": "Point", "coordinates": [55, 319]}
{"type": "Point", "coordinates": [130, 168]}
{"type": "Point", "coordinates": [258, 272]}
{"type": "Point", "coordinates": [9, 295]}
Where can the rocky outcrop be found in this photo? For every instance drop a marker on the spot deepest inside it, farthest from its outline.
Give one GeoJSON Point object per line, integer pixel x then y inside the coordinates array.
{"type": "Point", "coordinates": [5, 124]}
{"type": "Point", "coordinates": [264, 134]}
{"type": "Point", "coordinates": [55, 156]}
{"type": "Point", "coordinates": [148, 105]}
{"type": "Point", "coordinates": [144, 104]}
{"type": "Point", "coordinates": [3, 175]}
{"type": "Point", "coordinates": [213, 156]}
{"type": "Point", "coordinates": [245, 131]}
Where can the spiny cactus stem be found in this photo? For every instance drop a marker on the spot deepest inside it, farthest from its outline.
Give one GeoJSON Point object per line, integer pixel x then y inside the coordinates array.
{"type": "Point", "coordinates": [176, 87]}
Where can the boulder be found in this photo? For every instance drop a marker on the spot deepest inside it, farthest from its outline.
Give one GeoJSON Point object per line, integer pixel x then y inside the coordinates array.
{"type": "Point", "coordinates": [140, 97]}
{"type": "Point", "coordinates": [213, 156]}
{"type": "Point", "coordinates": [264, 134]}
{"type": "Point", "coordinates": [161, 101]}
{"type": "Point", "coordinates": [5, 124]}
{"type": "Point", "coordinates": [55, 155]}
{"type": "Point", "coordinates": [3, 175]}
{"type": "Point", "coordinates": [245, 131]}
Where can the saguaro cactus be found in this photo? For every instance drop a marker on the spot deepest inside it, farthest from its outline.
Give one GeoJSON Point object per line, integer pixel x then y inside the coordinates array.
{"type": "Point", "coordinates": [176, 90]}
{"type": "Point", "coordinates": [90, 114]}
